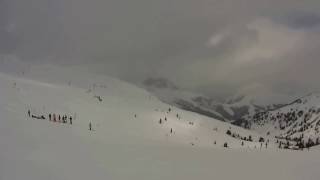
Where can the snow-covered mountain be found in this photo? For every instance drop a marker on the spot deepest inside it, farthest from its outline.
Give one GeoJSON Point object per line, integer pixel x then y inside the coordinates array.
{"type": "Point", "coordinates": [254, 99]}
{"type": "Point", "coordinates": [296, 123]}
{"type": "Point", "coordinates": [169, 93]}
{"type": "Point", "coordinates": [293, 121]}
{"type": "Point", "coordinates": [134, 135]}
{"type": "Point", "coordinates": [237, 109]}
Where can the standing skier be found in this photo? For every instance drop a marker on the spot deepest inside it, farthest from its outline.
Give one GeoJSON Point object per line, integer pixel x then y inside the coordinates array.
{"type": "Point", "coordinates": [49, 117]}
{"type": "Point", "coordinates": [29, 113]}
{"type": "Point", "coordinates": [90, 126]}
{"type": "Point", "coordinates": [70, 120]}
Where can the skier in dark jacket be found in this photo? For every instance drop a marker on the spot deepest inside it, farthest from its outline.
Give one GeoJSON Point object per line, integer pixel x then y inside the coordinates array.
{"type": "Point", "coordinates": [90, 126]}
{"type": "Point", "coordinates": [70, 120]}
{"type": "Point", "coordinates": [29, 113]}
{"type": "Point", "coordinates": [49, 117]}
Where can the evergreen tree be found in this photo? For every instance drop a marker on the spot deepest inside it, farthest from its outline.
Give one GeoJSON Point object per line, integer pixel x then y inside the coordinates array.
{"type": "Point", "coordinates": [228, 132]}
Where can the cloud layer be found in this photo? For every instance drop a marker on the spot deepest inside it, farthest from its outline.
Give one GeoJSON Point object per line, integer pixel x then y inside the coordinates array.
{"type": "Point", "coordinates": [215, 47]}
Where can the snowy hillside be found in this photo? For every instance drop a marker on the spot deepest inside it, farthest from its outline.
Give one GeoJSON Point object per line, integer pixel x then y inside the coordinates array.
{"type": "Point", "coordinates": [296, 123]}
{"type": "Point", "coordinates": [134, 135]}
{"type": "Point", "coordinates": [254, 99]}
{"type": "Point", "coordinates": [109, 102]}
{"type": "Point", "coordinates": [237, 109]}
{"type": "Point", "coordinates": [169, 93]}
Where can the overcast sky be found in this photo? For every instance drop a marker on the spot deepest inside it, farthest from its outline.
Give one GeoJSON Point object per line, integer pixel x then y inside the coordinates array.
{"type": "Point", "coordinates": [212, 46]}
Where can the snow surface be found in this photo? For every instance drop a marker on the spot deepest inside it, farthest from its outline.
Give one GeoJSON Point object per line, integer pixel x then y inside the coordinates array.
{"type": "Point", "coordinates": [122, 146]}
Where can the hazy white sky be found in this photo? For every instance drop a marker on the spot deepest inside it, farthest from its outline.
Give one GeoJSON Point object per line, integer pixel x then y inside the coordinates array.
{"type": "Point", "coordinates": [213, 46]}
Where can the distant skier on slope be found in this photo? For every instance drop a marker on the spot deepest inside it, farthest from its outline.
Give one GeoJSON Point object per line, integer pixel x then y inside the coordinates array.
{"type": "Point", "coordinates": [90, 126]}
{"type": "Point", "coordinates": [49, 117]}
{"type": "Point", "coordinates": [65, 119]}
{"type": "Point", "coordinates": [70, 120]}
{"type": "Point", "coordinates": [29, 113]}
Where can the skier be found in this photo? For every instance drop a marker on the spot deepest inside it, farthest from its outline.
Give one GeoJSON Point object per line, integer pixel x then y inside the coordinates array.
{"type": "Point", "coordinates": [171, 131]}
{"type": "Point", "coordinates": [160, 121]}
{"type": "Point", "coordinates": [59, 118]}
{"type": "Point", "coordinates": [54, 117]}
{"type": "Point", "coordinates": [29, 113]}
{"type": "Point", "coordinates": [70, 120]}
{"type": "Point", "coordinates": [90, 126]}
{"type": "Point", "coordinates": [49, 117]}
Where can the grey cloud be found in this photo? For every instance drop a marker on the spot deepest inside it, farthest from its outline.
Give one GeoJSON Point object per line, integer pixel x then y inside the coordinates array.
{"type": "Point", "coordinates": [171, 38]}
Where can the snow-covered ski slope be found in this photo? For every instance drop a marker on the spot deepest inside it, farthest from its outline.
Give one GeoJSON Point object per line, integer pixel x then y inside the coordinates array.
{"type": "Point", "coordinates": [122, 146]}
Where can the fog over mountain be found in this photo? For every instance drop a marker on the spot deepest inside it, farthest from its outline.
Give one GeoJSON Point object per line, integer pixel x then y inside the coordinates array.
{"type": "Point", "coordinates": [210, 47]}
{"type": "Point", "coordinates": [159, 89]}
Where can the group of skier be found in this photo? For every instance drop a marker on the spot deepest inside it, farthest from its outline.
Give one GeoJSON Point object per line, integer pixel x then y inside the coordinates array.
{"type": "Point", "coordinates": [53, 117]}
{"type": "Point", "coordinates": [57, 118]}
{"type": "Point", "coordinates": [61, 119]}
